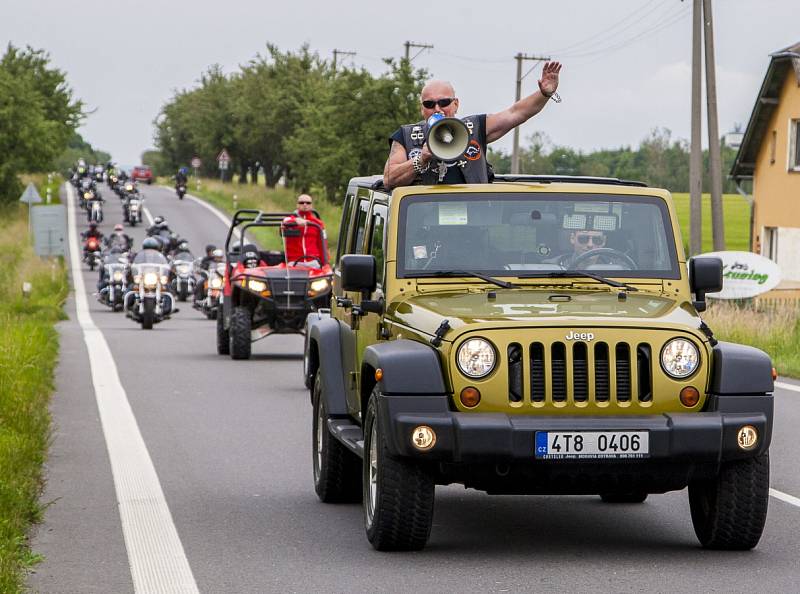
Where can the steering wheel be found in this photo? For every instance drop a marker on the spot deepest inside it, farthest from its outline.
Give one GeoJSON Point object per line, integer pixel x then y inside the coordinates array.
{"type": "Point", "coordinates": [609, 254]}
{"type": "Point", "coordinates": [303, 258]}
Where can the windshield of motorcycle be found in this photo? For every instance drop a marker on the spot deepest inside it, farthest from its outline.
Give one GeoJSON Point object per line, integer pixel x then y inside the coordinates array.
{"type": "Point", "coordinates": [509, 234]}
{"type": "Point", "coordinates": [150, 257]}
{"type": "Point", "coordinates": [144, 267]}
{"type": "Point", "coordinates": [186, 257]}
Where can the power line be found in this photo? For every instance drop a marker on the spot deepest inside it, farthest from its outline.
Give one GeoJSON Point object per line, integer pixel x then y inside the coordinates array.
{"type": "Point", "coordinates": [337, 53]}
{"type": "Point", "coordinates": [422, 47]}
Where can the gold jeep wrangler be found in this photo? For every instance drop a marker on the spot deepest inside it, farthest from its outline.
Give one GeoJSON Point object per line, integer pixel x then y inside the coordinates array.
{"type": "Point", "coordinates": [534, 335]}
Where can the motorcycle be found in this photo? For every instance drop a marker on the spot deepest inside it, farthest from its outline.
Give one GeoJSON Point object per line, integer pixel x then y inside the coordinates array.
{"type": "Point", "coordinates": [182, 275]}
{"type": "Point", "coordinates": [209, 299]}
{"type": "Point", "coordinates": [94, 209]}
{"type": "Point", "coordinates": [86, 191]}
{"type": "Point", "coordinates": [116, 274]}
{"type": "Point", "coordinates": [91, 252]}
{"type": "Point", "coordinates": [149, 301]}
{"type": "Point", "coordinates": [132, 208]}
{"type": "Point", "coordinates": [181, 190]}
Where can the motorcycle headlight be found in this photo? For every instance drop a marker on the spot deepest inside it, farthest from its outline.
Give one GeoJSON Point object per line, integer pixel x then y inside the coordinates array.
{"type": "Point", "coordinates": [164, 279]}
{"type": "Point", "coordinates": [319, 286]}
{"type": "Point", "coordinates": [216, 283]}
{"type": "Point", "coordinates": [150, 279]}
{"type": "Point", "coordinates": [182, 269]}
{"type": "Point", "coordinates": [476, 358]}
{"type": "Point", "coordinates": [137, 279]}
{"type": "Point", "coordinates": [87, 195]}
{"type": "Point", "coordinates": [680, 358]}
{"type": "Point", "coordinates": [117, 277]}
{"type": "Point", "coordinates": [129, 188]}
{"type": "Point", "coordinates": [256, 285]}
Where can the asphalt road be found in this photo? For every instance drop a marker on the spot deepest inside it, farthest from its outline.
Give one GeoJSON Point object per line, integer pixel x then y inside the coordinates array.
{"type": "Point", "coordinates": [231, 444]}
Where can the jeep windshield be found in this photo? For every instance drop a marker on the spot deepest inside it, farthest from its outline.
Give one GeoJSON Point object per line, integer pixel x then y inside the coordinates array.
{"type": "Point", "coordinates": [543, 235]}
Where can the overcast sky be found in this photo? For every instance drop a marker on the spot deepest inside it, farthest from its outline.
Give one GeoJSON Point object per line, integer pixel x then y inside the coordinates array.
{"type": "Point", "coordinates": [627, 63]}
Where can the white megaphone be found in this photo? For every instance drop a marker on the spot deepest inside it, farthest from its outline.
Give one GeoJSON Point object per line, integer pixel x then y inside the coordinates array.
{"type": "Point", "coordinates": [447, 138]}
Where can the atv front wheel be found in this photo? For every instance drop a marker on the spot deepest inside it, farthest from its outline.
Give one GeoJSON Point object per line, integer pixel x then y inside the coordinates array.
{"type": "Point", "coordinates": [241, 323]}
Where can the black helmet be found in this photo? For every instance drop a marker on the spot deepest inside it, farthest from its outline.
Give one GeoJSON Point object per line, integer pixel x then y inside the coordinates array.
{"type": "Point", "coordinates": [93, 225]}
{"type": "Point", "coordinates": [151, 243]}
{"type": "Point", "coordinates": [210, 248]}
{"type": "Point", "coordinates": [183, 246]}
{"type": "Point", "coordinates": [158, 219]}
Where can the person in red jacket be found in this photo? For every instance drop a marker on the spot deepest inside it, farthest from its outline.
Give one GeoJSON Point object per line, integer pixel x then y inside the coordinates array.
{"type": "Point", "coordinates": [310, 244]}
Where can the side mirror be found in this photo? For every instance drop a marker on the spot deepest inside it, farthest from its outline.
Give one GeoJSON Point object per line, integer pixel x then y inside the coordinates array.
{"type": "Point", "coordinates": [358, 273]}
{"type": "Point", "coordinates": [705, 276]}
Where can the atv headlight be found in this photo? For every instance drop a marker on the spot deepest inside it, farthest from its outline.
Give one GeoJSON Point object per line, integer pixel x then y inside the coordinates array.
{"type": "Point", "coordinates": [216, 283]}
{"type": "Point", "coordinates": [117, 276]}
{"type": "Point", "coordinates": [319, 286]}
{"type": "Point", "coordinates": [476, 358]}
{"type": "Point", "coordinates": [256, 285]}
{"type": "Point", "coordinates": [680, 358]}
{"type": "Point", "coordinates": [150, 279]}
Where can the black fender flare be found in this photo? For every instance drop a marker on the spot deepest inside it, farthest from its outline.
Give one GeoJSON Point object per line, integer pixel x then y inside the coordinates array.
{"type": "Point", "coordinates": [740, 369]}
{"type": "Point", "coordinates": [323, 335]}
{"type": "Point", "coordinates": [408, 367]}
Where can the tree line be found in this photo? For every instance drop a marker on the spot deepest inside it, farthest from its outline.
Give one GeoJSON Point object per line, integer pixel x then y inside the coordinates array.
{"type": "Point", "coordinates": [38, 116]}
{"type": "Point", "coordinates": [293, 115]}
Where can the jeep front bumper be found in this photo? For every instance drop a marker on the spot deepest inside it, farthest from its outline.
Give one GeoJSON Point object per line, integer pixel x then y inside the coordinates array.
{"type": "Point", "coordinates": [690, 437]}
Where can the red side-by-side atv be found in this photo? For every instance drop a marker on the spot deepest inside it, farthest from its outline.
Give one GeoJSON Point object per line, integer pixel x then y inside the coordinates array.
{"type": "Point", "coordinates": [264, 291]}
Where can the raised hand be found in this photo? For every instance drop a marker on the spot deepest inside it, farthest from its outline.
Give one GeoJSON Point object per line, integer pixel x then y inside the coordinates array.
{"type": "Point", "coordinates": [549, 81]}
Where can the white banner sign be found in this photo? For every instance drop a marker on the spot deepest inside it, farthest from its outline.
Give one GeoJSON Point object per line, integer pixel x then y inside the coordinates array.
{"type": "Point", "coordinates": [745, 275]}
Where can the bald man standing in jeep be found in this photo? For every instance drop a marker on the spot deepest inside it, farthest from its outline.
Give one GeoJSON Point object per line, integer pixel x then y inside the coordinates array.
{"type": "Point", "coordinates": [410, 160]}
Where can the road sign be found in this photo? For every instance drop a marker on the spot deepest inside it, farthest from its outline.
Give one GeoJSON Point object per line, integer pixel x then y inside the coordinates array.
{"type": "Point", "coordinates": [30, 195]}
{"type": "Point", "coordinates": [49, 229]}
{"type": "Point", "coordinates": [196, 162]}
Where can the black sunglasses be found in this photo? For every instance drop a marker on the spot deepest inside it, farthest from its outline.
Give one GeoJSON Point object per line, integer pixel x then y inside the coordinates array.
{"type": "Point", "coordinates": [443, 102]}
{"type": "Point", "coordinates": [596, 239]}
{"type": "Point", "coordinates": [302, 202]}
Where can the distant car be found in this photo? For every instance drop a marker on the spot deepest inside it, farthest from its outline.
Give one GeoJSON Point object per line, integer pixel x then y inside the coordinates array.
{"type": "Point", "coordinates": [142, 173]}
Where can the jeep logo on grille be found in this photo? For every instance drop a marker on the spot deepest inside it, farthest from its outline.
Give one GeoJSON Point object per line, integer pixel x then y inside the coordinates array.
{"type": "Point", "coordinates": [587, 336]}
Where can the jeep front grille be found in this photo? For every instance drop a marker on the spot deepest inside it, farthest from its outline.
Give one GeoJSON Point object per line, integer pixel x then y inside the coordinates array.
{"type": "Point", "coordinates": [562, 373]}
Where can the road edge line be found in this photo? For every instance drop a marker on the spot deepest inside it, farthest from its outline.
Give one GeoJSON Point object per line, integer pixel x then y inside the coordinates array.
{"type": "Point", "coordinates": [156, 557]}
{"type": "Point", "coordinates": [785, 386]}
{"type": "Point", "coordinates": [785, 497]}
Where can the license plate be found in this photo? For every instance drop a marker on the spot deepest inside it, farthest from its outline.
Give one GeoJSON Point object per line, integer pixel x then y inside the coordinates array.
{"type": "Point", "coordinates": [561, 445]}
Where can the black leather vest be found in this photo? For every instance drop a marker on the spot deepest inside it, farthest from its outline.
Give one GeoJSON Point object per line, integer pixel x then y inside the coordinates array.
{"type": "Point", "coordinates": [473, 163]}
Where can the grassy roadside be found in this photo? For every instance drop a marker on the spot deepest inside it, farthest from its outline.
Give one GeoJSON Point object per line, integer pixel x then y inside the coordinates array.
{"type": "Point", "coordinates": [772, 327]}
{"type": "Point", "coordinates": [736, 211]}
{"type": "Point", "coordinates": [269, 200]}
{"type": "Point", "coordinates": [28, 354]}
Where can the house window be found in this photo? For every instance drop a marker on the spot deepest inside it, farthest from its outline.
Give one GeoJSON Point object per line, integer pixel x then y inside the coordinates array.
{"type": "Point", "coordinates": [770, 246]}
{"type": "Point", "coordinates": [794, 145]}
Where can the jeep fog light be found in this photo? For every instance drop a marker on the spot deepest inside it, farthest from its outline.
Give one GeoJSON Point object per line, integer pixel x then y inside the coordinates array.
{"type": "Point", "coordinates": [747, 437]}
{"type": "Point", "coordinates": [423, 438]}
{"type": "Point", "coordinates": [689, 396]}
{"type": "Point", "coordinates": [679, 358]}
{"type": "Point", "coordinates": [476, 358]}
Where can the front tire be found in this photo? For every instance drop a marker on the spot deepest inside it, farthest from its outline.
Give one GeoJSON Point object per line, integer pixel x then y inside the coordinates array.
{"type": "Point", "coordinates": [398, 494]}
{"type": "Point", "coordinates": [337, 470]}
{"type": "Point", "coordinates": [223, 337]}
{"type": "Point", "coordinates": [149, 314]}
{"type": "Point", "coordinates": [730, 510]}
{"type": "Point", "coordinates": [183, 293]}
{"type": "Point", "coordinates": [241, 324]}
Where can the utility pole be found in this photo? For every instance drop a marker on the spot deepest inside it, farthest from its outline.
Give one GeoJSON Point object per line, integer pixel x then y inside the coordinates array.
{"type": "Point", "coordinates": [696, 155]}
{"type": "Point", "coordinates": [714, 157]}
{"type": "Point", "coordinates": [420, 46]}
{"type": "Point", "coordinates": [519, 58]}
{"type": "Point", "coordinates": [337, 53]}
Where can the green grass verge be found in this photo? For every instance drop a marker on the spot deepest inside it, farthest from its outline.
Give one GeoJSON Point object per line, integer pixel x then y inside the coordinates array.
{"type": "Point", "coordinates": [736, 212]}
{"type": "Point", "coordinates": [773, 327]}
{"type": "Point", "coordinates": [28, 354]}
{"type": "Point", "coordinates": [261, 198]}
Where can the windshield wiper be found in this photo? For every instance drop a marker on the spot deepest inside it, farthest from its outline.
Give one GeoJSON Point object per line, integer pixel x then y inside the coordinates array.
{"type": "Point", "coordinates": [450, 273]}
{"type": "Point", "coordinates": [568, 273]}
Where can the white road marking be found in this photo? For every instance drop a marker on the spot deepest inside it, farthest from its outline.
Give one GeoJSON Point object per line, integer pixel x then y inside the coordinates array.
{"type": "Point", "coordinates": [785, 386]}
{"type": "Point", "coordinates": [157, 560]}
{"type": "Point", "coordinates": [217, 212]}
{"type": "Point", "coordinates": [785, 497]}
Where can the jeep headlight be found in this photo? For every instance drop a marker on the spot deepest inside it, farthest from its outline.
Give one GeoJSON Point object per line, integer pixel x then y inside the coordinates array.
{"type": "Point", "coordinates": [679, 358]}
{"type": "Point", "coordinates": [150, 279]}
{"type": "Point", "coordinates": [256, 285]}
{"type": "Point", "coordinates": [476, 358]}
{"type": "Point", "coordinates": [319, 286]}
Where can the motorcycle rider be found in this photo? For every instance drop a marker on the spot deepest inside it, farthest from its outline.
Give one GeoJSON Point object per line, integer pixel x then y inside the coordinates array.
{"type": "Point", "coordinates": [213, 255]}
{"type": "Point", "coordinates": [181, 178]}
{"type": "Point", "coordinates": [119, 239]}
{"type": "Point", "coordinates": [159, 223]}
{"type": "Point", "coordinates": [92, 231]}
{"type": "Point", "coordinates": [151, 253]}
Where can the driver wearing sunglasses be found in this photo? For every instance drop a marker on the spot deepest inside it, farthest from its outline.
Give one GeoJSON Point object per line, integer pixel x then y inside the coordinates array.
{"type": "Point", "coordinates": [583, 241]}
{"type": "Point", "coordinates": [411, 162]}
